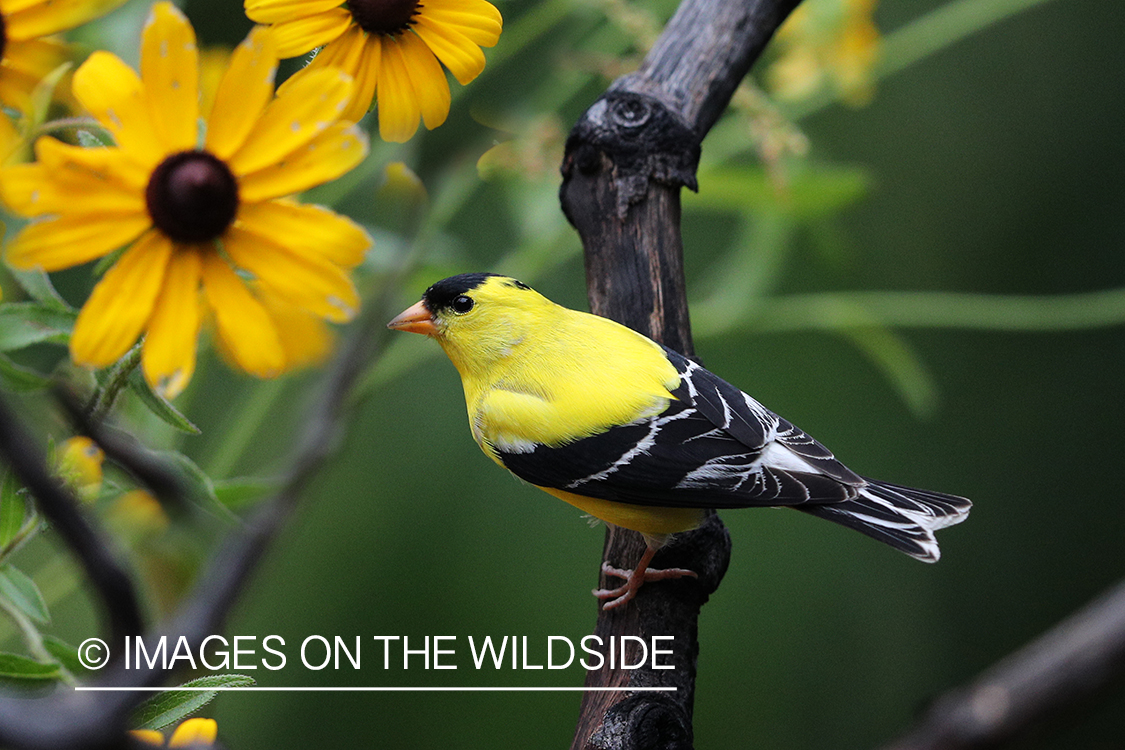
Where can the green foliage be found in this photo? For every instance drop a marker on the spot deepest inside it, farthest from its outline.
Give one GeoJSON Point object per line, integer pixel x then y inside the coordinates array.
{"type": "Point", "coordinates": [21, 670]}
{"type": "Point", "coordinates": [22, 593]}
{"type": "Point", "coordinates": [160, 406]}
{"type": "Point", "coordinates": [174, 705]}
{"type": "Point", "coordinates": [23, 324]}
{"type": "Point", "coordinates": [65, 654]}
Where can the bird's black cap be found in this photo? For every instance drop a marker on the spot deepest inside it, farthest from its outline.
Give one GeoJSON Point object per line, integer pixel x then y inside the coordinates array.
{"type": "Point", "coordinates": [442, 294]}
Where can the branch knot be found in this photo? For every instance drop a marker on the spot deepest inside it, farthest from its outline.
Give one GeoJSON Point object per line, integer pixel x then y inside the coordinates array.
{"type": "Point", "coordinates": [636, 137]}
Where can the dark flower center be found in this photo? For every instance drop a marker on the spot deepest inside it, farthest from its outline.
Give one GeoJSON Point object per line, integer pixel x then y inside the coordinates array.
{"type": "Point", "coordinates": [386, 17]}
{"type": "Point", "coordinates": [192, 197]}
{"type": "Point", "coordinates": [3, 36]}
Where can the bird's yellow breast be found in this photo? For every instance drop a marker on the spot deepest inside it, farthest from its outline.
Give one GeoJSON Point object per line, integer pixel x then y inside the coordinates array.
{"type": "Point", "coordinates": [551, 385]}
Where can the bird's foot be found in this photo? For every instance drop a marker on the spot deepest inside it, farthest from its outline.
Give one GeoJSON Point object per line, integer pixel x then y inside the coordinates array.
{"type": "Point", "coordinates": [634, 579]}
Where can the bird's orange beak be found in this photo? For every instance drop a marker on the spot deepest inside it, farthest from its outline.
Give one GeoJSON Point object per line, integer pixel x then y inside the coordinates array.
{"type": "Point", "coordinates": [414, 319]}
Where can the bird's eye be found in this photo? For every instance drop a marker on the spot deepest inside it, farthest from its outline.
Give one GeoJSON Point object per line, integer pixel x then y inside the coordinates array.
{"type": "Point", "coordinates": [462, 304]}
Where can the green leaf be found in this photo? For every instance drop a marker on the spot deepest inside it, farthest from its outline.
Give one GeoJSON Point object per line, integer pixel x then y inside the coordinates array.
{"type": "Point", "coordinates": [902, 366]}
{"type": "Point", "coordinates": [44, 92]}
{"type": "Point", "coordinates": [26, 323]}
{"type": "Point", "coordinates": [14, 666]}
{"type": "Point", "coordinates": [22, 592]}
{"type": "Point", "coordinates": [240, 492]}
{"type": "Point", "coordinates": [198, 484]}
{"type": "Point", "coordinates": [91, 139]}
{"type": "Point", "coordinates": [13, 509]}
{"type": "Point", "coordinates": [104, 264]}
{"type": "Point", "coordinates": [808, 193]}
{"type": "Point", "coordinates": [175, 705]}
{"type": "Point", "coordinates": [65, 654]}
{"type": "Point", "coordinates": [39, 287]}
{"type": "Point", "coordinates": [19, 379]}
{"type": "Point", "coordinates": [160, 406]}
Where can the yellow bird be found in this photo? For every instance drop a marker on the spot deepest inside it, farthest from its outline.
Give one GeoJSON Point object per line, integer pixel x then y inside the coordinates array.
{"type": "Point", "coordinates": [637, 435]}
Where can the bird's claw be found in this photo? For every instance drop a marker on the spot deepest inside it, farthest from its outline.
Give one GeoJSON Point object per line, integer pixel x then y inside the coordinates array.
{"type": "Point", "coordinates": [633, 582]}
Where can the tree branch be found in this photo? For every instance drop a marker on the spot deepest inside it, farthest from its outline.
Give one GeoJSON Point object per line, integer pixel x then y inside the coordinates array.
{"type": "Point", "coordinates": [626, 160]}
{"type": "Point", "coordinates": [1080, 656]}
{"type": "Point", "coordinates": [68, 720]}
{"type": "Point", "coordinates": [121, 607]}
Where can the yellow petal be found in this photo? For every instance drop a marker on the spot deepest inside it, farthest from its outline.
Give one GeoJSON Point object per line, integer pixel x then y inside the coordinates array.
{"type": "Point", "coordinates": [35, 57]}
{"type": "Point", "coordinates": [300, 35]}
{"type": "Point", "coordinates": [16, 88]}
{"type": "Point", "coordinates": [63, 172]}
{"type": "Point", "coordinates": [168, 358]}
{"type": "Point", "coordinates": [328, 156]}
{"type": "Point", "coordinates": [306, 280]}
{"type": "Point", "coordinates": [111, 91]}
{"type": "Point", "coordinates": [121, 303]}
{"type": "Point", "coordinates": [456, 51]}
{"type": "Point", "coordinates": [170, 71]}
{"type": "Point", "coordinates": [308, 340]}
{"type": "Point", "coordinates": [298, 115]}
{"type": "Point", "coordinates": [194, 732]}
{"type": "Point", "coordinates": [110, 164]}
{"type": "Point", "coordinates": [356, 53]}
{"type": "Point", "coordinates": [34, 190]}
{"type": "Point", "coordinates": [428, 80]}
{"type": "Point", "coordinates": [148, 736]}
{"type": "Point", "coordinates": [243, 93]}
{"type": "Point", "coordinates": [398, 104]}
{"type": "Point", "coordinates": [246, 330]}
{"type": "Point", "coordinates": [73, 239]}
{"type": "Point", "coordinates": [478, 20]}
{"type": "Point", "coordinates": [25, 20]}
{"type": "Point", "coordinates": [307, 229]}
{"type": "Point", "coordinates": [277, 11]}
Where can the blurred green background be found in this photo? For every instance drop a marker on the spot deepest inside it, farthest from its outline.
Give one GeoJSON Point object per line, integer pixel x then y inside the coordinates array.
{"type": "Point", "coordinates": [994, 166]}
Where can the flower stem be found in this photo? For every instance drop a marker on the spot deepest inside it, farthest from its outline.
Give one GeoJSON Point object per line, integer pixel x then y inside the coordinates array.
{"type": "Point", "coordinates": [116, 380]}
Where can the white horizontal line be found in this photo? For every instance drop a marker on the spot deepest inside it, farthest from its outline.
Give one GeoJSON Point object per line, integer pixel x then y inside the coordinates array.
{"type": "Point", "coordinates": [353, 689]}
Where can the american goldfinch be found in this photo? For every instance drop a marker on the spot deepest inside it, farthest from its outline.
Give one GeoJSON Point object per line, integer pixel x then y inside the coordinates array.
{"type": "Point", "coordinates": [637, 435]}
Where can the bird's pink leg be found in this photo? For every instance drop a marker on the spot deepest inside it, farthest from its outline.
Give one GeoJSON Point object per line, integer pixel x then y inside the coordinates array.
{"type": "Point", "coordinates": [636, 578]}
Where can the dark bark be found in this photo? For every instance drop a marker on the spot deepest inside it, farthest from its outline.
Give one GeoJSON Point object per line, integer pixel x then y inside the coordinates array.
{"type": "Point", "coordinates": [73, 720]}
{"type": "Point", "coordinates": [116, 590]}
{"type": "Point", "coordinates": [626, 161]}
{"type": "Point", "coordinates": [1078, 658]}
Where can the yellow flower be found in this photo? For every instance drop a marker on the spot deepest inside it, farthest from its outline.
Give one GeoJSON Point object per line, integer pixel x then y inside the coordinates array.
{"type": "Point", "coordinates": [188, 733]}
{"type": "Point", "coordinates": [137, 514]}
{"type": "Point", "coordinates": [79, 465]}
{"type": "Point", "coordinates": [827, 43]}
{"type": "Point", "coordinates": [206, 227]}
{"type": "Point", "coordinates": [390, 47]}
{"type": "Point", "coordinates": [27, 50]}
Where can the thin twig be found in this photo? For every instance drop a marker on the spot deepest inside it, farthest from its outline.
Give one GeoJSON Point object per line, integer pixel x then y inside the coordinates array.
{"type": "Point", "coordinates": [1082, 655]}
{"type": "Point", "coordinates": [89, 721]}
{"type": "Point", "coordinates": [61, 508]}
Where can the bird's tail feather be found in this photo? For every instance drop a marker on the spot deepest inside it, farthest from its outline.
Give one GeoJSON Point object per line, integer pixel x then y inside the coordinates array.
{"type": "Point", "coordinates": [902, 517]}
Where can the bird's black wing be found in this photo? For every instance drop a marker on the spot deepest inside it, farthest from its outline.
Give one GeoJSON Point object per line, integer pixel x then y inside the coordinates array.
{"type": "Point", "coordinates": [714, 447]}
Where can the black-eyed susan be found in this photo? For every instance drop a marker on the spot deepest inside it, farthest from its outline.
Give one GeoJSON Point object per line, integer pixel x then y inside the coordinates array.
{"type": "Point", "coordinates": [28, 51]}
{"type": "Point", "coordinates": [205, 225]}
{"type": "Point", "coordinates": [390, 47]}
